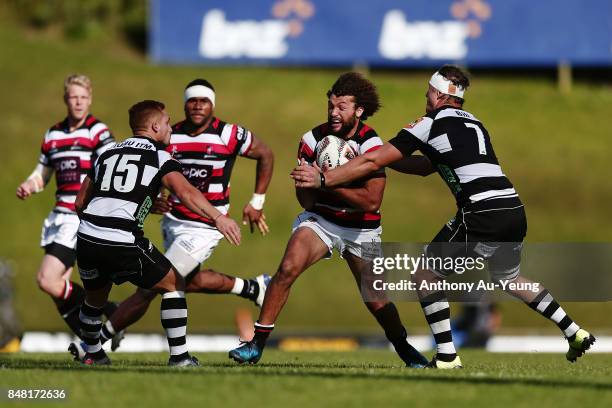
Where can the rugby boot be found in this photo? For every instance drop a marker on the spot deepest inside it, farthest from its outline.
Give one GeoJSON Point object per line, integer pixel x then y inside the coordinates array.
{"type": "Point", "coordinates": [579, 343]}
{"type": "Point", "coordinates": [248, 352]}
{"type": "Point", "coordinates": [444, 365]}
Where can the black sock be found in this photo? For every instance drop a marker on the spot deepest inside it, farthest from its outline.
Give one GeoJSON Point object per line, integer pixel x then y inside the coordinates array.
{"type": "Point", "coordinates": [388, 318]}
{"type": "Point", "coordinates": [250, 290]}
{"type": "Point", "coordinates": [110, 308]}
{"type": "Point", "coordinates": [69, 306]}
{"type": "Point", "coordinates": [262, 332]}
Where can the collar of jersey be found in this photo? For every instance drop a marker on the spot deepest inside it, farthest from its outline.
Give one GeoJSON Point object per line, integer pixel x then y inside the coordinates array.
{"type": "Point", "coordinates": [65, 125]}
{"type": "Point", "coordinates": [158, 145]}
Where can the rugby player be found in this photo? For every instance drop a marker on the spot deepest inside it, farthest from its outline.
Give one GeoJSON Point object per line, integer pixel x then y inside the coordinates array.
{"type": "Point", "coordinates": [113, 202]}
{"type": "Point", "coordinates": [490, 221]}
{"type": "Point", "coordinates": [342, 218]}
{"type": "Point", "coordinates": [68, 149]}
{"type": "Point", "coordinates": [207, 148]}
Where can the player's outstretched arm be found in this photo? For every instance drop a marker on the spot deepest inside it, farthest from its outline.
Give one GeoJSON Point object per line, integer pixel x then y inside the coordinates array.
{"type": "Point", "coordinates": [36, 182]}
{"type": "Point", "coordinates": [193, 199]}
{"type": "Point", "coordinates": [83, 196]}
{"type": "Point", "coordinates": [415, 164]}
{"type": "Point", "coordinates": [359, 167]}
{"type": "Point", "coordinates": [253, 211]}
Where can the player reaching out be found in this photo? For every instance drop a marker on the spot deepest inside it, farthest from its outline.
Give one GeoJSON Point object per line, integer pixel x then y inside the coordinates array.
{"type": "Point", "coordinates": [490, 221]}
{"type": "Point", "coordinates": [207, 148]}
{"type": "Point", "coordinates": [113, 203]}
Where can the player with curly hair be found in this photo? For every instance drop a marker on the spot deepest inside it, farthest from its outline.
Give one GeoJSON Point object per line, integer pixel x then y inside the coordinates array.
{"type": "Point", "coordinates": [490, 221]}
{"type": "Point", "coordinates": [342, 218]}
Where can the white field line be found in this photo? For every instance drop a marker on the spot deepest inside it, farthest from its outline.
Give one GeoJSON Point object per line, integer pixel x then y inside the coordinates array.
{"type": "Point", "coordinates": [58, 342]}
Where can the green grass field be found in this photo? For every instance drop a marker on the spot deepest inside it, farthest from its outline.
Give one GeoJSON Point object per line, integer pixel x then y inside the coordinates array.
{"type": "Point", "coordinates": [357, 379]}
{"type": "Point", "coordinates": [554, 147]}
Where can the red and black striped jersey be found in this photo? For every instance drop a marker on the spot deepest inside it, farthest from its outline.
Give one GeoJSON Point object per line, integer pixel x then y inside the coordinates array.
{"type": "Point", "coordinates": [208, 159]}
{"type": "Point", "coordinates": [329, 206]}
{"type": "Point", "coordinates": [71, 155]}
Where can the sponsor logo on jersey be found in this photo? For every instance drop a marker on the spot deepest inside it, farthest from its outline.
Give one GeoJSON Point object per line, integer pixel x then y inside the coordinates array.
{"type": "Point", "coordinates": [198, 175]}
{"type": "Point", "coordinates": [68, 170]}
{"type": "Point", "coordinates": [143, 211]}
{"type": "Point", "coordinates": [413, 124]}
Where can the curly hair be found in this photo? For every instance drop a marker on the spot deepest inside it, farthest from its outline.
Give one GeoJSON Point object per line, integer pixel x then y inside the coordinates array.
{"type": "Point", "coordinates": [363, 90]}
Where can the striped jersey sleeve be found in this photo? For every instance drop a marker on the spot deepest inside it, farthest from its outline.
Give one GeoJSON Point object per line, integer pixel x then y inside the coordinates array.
{"type": "Point", "coordinates": [237, 139]}
{"type": "Point", "coordinates": [102, 138]}
{"type": "Point", "coordinates": [45, 158]}
{"type": "Point", "coordinates": [167, 164]}
{"type": "Point", "coordinates": [412, 136]}
{"type": "Point", "coordinates": [307, 148]}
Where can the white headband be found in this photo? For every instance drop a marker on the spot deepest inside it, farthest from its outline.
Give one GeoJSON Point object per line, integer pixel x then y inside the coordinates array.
{"type": "Point", "coordinates": [445, 86]}
{"type": "Point", "coordinates": [200, 91]}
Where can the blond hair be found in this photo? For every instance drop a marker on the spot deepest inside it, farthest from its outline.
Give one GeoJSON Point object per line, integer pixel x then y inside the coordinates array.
{"type": "Point", "coordinates": [77, 79]}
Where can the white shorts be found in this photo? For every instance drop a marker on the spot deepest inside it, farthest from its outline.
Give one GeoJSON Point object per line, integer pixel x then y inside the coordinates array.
{"type": "Point", "coordinates": [60, 228]}
{"type": "Point", "coordinates": [343, 239]}
{"type": "Point", "coordinates": [187, 244]}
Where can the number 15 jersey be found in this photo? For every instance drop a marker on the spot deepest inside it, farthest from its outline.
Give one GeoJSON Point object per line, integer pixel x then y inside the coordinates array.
{"type": "Point", "coordinates": [126, 178]}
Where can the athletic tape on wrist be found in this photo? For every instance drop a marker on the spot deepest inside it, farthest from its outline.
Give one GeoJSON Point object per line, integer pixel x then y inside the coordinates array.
{"type": "Point", "coordinates": [38, 180]}
{"type": "Point", "coordinates": [257, 201]}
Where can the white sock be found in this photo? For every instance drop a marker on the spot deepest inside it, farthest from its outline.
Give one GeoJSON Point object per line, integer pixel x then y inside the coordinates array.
{"type": "Point", "coordinates": [238, 286]}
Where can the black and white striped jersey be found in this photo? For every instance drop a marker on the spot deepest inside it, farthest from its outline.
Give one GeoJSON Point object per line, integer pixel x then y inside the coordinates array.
{"type": "Point", "coordinates": [127, 178]}
{"type": "Point", "coordinates": [459, 147]}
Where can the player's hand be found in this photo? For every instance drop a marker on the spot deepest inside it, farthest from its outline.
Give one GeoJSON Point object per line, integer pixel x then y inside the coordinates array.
{"type": "Point", "coordinates": [161, 205]}
{"type": "Point", "coordinates": [228, 228]}
{"type": "Point", "coordinates": [307, 176]}
{"type": "Point", "coordinates": [26, 189]}
{"type": "Point", "coordinates": [252, 216]}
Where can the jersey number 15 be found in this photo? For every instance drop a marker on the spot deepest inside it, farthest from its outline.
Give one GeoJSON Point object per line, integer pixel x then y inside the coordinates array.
{"type": "Point", "coordinates": [122, 175]}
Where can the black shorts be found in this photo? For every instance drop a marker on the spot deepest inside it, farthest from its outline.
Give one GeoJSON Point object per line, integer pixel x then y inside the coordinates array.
{"type": "Point", "coordinates": [66, 255]}
{"type": "Point", "coordinates": [494, 234]}
{"type": "Point", "coordinates": [101, 262]}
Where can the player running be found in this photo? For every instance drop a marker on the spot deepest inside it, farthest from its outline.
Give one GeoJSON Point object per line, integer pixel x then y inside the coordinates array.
{"type": "Point", "coordinates": [341, 218]}
{"type": "Point", "coordinates": [68, 149]}
{"type": "Point", "coordinates": [113, 203]}
{"type": "Point", "coordinates": [490, 221]}
{"type": "Point", "coordinates": [207, 148]}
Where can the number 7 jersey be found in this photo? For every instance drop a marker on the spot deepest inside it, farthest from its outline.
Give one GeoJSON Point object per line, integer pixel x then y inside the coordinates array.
{"type": "Point", "coordinates": [126, 178]}
{"type": "Point", "coordinates": [459, 148]}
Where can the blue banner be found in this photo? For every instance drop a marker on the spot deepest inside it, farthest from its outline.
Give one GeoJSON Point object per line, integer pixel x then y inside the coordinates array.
{"type": "Point", "coordinates": [383, 32]}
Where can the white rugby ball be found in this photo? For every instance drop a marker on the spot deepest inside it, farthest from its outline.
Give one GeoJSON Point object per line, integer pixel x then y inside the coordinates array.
{"type": "Point", "coordinates": [333, 152]}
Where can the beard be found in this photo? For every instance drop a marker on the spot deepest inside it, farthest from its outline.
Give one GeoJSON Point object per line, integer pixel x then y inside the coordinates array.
{"type": "Point", "coordinates": [345, 129]}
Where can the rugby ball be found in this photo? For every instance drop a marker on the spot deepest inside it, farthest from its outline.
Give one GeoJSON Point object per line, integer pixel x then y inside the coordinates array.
{"type": "Point", "coordinates": [333, 152]}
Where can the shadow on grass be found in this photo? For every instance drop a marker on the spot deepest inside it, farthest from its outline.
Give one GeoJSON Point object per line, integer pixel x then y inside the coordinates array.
{"type": "Point", "coordinates": [316, 370]}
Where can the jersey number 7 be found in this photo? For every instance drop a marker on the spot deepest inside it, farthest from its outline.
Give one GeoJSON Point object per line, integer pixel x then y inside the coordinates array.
{"type": "Point", "coordinates": [482, 148]}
